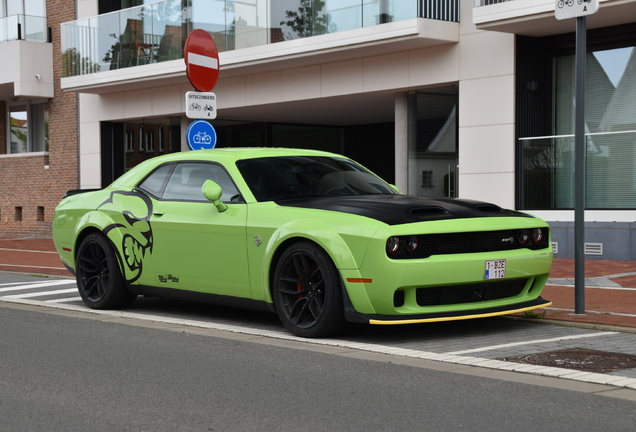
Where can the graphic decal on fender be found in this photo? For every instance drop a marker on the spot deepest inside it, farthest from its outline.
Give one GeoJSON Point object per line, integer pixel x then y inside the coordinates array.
{"type": "Point", "coordinates": [168, 278]}
{"type": "Point", "coordinates": [134, 225]}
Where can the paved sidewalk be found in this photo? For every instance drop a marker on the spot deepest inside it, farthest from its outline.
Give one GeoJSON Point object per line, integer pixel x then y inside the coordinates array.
{"type": "Point", "coordinates": [610, 293]}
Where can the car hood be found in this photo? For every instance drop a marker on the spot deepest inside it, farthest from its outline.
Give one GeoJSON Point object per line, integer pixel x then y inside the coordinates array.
{"type": "Point", "coordinates": [403, 209]}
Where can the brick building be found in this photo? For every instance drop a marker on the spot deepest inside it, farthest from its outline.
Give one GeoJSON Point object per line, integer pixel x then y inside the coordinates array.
{"type": "Point", "coordinates": [38, 121]}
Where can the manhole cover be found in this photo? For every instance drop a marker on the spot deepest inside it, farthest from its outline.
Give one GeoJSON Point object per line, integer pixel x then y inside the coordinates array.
{"type": "Point", "coordinates": [584, 360]}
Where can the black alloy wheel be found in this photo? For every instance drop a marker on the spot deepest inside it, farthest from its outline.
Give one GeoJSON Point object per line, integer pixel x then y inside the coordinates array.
{"type": "Point", "coordinates": [99, 279]}
{"type": "Point", "coordinates": [308, 292]}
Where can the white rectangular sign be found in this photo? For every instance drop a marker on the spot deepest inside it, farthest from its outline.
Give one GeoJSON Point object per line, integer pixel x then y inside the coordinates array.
{"type": "Point", "coordinates": [565, 9]}
{"type": "Point", "coordinates": [200, 105]}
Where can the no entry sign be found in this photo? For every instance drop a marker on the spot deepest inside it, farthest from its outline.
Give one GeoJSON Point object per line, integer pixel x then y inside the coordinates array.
{"type": "Point", "coordinates": [202, 60]}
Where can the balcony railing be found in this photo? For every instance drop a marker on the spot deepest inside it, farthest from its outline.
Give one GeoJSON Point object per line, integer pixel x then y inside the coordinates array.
{"type": "Point", "coordinates": [546, 176]}
{"type": "Point", "coordinates": [157, 32]}
{"type": "Point", "coordinates": [23, 27]}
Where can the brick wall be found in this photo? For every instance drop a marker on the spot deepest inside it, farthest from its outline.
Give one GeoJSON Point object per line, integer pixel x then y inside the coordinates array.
{"type": "Point", "coordinates": [35, 184]}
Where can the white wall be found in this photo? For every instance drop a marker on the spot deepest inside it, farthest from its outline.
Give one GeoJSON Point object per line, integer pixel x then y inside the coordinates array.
{"type": "Point", "coordinates": [486, 113]}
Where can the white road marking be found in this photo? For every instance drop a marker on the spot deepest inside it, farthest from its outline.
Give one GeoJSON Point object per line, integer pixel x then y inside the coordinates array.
{"type": "Point", "coordinates": [63, 300]}
{"type": "Point", "coordinates": [38, 285]}
{"type": "Point", "coordinates": [30, 266]}
{"type": "Point", "coordinates": [41, 294]}
{"type": "Point", "coordinates": [593, 287]}
{"type": "Point", "coordinates": [26, 250]}
{"type": "Point", "coordinates": [595, 312]}
{"type": "Point", "coordinates": [536, 341]}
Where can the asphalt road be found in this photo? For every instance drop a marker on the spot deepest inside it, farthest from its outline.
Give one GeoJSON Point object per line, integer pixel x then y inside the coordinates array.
{"type": "Point", "coordinates": [70, 371]}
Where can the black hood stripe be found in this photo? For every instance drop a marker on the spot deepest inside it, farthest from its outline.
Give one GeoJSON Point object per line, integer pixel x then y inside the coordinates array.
{"type": "Point", "coordinates": [403, 209]}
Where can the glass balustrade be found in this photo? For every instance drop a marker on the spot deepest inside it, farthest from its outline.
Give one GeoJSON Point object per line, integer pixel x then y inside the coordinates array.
{"type": "Point", "coordinates": [157, 32]}
{"type": "Point", "coordinates": [23, 27]}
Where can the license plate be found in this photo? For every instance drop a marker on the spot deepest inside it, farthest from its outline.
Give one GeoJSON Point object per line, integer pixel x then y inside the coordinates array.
{"type": "Point", "coordinates": [495, 269]}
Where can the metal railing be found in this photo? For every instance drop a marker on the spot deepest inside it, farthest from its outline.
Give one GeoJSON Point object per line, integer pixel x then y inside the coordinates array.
{"type": "Point", "coordinates": [157, 32]}
{"type": "Point", "coordinates": [546, 171]}
{"type": "Point", "coordinates": [23, 27]}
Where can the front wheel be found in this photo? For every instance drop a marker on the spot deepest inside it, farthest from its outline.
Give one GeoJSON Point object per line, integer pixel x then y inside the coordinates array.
{"type": "Point", "coordinates": [307, 292]}
{"type": "Point", "coordinates": [99, 279]}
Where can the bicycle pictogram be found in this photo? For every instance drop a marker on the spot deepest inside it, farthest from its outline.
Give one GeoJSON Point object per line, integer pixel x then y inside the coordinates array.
{"type": "Point", "coordinates": [202, 138]}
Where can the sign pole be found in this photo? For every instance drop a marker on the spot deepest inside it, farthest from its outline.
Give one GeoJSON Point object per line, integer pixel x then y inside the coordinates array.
{"type": "Point", "coordinates": [579, 167]}
{"type": "Point", "coordinates": [564, 9]}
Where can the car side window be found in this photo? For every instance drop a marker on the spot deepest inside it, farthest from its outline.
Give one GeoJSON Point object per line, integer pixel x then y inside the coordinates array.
{"type": "Point", "coordinates": [188, 177]}
{"type": "Point", "coordinates": [155, 182]}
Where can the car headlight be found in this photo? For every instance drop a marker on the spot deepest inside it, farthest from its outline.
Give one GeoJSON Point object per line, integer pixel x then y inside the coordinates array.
{"type": "Point", "coordinates": [523, 236]}
{"type": "Point", "coordinates": [393, 245]}
{"type": "Point", "coordinates": [539, 235]}
{"type": "Point", "coordinates": [412, 243]}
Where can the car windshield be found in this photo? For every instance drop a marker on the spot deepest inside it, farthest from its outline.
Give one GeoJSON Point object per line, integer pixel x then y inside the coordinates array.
{"type": "Point", "coordinates": [291, 177]}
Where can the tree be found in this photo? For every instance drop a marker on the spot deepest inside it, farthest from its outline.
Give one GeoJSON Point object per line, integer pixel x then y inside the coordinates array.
{"type": "Point", "coordinates": [308, 21]}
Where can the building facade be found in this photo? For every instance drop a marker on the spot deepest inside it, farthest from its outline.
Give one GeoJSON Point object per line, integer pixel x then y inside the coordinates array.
{"type": "Point", "coordinates": [38, 121]}
{"type": "Point", "coordinates": [458, 98]}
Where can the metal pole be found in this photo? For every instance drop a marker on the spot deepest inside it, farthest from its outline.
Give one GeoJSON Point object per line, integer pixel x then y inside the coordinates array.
{"type": "Point", "coordinates": [579, 168]}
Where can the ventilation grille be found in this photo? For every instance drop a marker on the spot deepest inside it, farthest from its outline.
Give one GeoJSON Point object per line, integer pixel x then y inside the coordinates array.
{"type": "Point", "coordinates": [593, 249]}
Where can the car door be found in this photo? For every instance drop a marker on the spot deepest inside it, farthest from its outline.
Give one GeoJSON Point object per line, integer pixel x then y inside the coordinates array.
{"type": "Point", "coordinates": [196, 247]}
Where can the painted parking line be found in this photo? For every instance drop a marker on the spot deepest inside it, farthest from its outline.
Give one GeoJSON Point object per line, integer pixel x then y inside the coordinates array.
{"type": "Point", "coordinates": [595, 312]}
{"type": "Point", "coordinates": [26, 250]}
{"type": "Point", "coordinates": [41, 294]}
{"type": "Point", "coordinates": [31, 266]}
{"type": "Point", "coordinates": [64, 300]}
{"type": "Point", "coordinates": [31, 285]}
{"type": "Point", "coordinates": [530, 342]}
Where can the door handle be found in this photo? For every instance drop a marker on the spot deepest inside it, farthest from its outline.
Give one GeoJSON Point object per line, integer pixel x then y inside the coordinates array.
{"type": "Point", "coordinates": [158, 212]}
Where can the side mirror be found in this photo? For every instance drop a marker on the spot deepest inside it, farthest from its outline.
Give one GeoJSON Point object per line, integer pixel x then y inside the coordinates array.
{"type": "Point", "coordinates": [212, 191]}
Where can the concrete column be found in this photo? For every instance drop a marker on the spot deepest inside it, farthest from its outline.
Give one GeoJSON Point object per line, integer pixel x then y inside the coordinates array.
{"type": "Point", "coordinates": [401, 141]}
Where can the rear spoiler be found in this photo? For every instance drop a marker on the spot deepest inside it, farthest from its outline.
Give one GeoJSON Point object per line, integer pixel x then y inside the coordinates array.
{"type": "Point", "coordinates": [78, 191]}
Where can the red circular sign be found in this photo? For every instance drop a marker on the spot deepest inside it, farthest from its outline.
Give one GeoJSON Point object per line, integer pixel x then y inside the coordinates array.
{"type": "Point", "coordinates": [202, 60]}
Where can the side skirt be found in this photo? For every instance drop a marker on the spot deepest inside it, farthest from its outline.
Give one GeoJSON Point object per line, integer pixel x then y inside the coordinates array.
{"type": "Point", "coordinates": [198, 297]}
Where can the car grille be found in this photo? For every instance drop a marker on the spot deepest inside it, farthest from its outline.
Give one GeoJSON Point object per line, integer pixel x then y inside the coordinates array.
{"type": "Point", "coordinates": [469, 242]}
{"type": "Point", "coordinates": [469, 293]}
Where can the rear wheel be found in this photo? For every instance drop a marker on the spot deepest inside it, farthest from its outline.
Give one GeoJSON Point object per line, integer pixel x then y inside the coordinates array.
{"type": "Point", "coordinates": [99, 279]}
{"type": "Point", "coordinates": [307, 292]}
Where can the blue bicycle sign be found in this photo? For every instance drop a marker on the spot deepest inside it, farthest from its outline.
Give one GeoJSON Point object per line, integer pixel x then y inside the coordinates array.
{"type": "Point", "coordinates": [201, 135]}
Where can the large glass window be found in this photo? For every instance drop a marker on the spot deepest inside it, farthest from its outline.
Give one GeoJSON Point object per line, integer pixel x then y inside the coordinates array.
{"type": "Point", "coordinates": [610, 127]}
{"type": "Point", "coordinates": [432, 169]}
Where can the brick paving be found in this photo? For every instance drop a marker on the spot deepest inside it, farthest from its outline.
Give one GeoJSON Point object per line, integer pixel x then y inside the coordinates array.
{"type": "Point", "coordinates": [610, 294]}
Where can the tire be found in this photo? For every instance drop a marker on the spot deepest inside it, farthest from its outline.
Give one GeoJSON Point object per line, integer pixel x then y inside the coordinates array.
{"type": "Point", "coordinates": [99, 279]}
{"type": "Point", "coordinates": [307, 292]}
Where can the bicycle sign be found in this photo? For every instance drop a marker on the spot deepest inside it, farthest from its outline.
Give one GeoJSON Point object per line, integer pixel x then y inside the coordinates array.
{"type": "Point", "coordinates": [200, 105]}
{"type": "Point", "coordinates": [564, 9]}
{"type": "Point", "coordinates": [201, 135]}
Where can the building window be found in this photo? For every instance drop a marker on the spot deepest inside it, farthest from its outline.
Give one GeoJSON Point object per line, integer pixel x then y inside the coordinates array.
{"type": "Point", "coordinates": [141, 138]}
{"type": "Point", "coordinates": [161, 137]}
{"type": "Point", "coordinates": [547, 163]}
{"type": "Point", "coordinates": [40, 214]}
{"type": "Point", "coordinates": [18, 214]}
{"type": "Point", "coordinates": [150, 142]}
{"type": "Point", "coordinates": [427, 179]}
{"type": "Point", "coordinates": [130, 142]}
{"type": "Point", "coordinates": [29, 128]}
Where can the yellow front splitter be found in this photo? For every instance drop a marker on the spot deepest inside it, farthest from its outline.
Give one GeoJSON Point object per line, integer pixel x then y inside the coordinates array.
{"type": "Point", "coordinates": [460, 317]}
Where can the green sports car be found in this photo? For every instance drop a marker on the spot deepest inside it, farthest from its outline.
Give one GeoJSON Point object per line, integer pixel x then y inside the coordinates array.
{"type": "Point", "coordinates": [310, 235]}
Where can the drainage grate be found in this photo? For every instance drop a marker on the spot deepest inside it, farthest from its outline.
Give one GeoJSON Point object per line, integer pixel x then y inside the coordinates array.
{"type": "Point", "coordinates": [584, 360]}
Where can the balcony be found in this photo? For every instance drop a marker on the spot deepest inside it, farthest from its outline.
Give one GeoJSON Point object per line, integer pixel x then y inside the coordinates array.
{"type": "Point", "coordinates": [536, 17]}
{"type": "Point", "coordinates": [29, 73]}
{"type": "Point", "coordinates": [143, 46]}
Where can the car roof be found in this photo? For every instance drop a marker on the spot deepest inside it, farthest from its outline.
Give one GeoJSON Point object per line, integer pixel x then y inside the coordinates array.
{"type": "Point", "coordinates": [226, 156]}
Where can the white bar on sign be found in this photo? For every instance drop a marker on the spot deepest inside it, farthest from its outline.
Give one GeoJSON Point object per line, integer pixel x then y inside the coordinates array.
{"type": "Point", "coordinates": [199, 60]}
